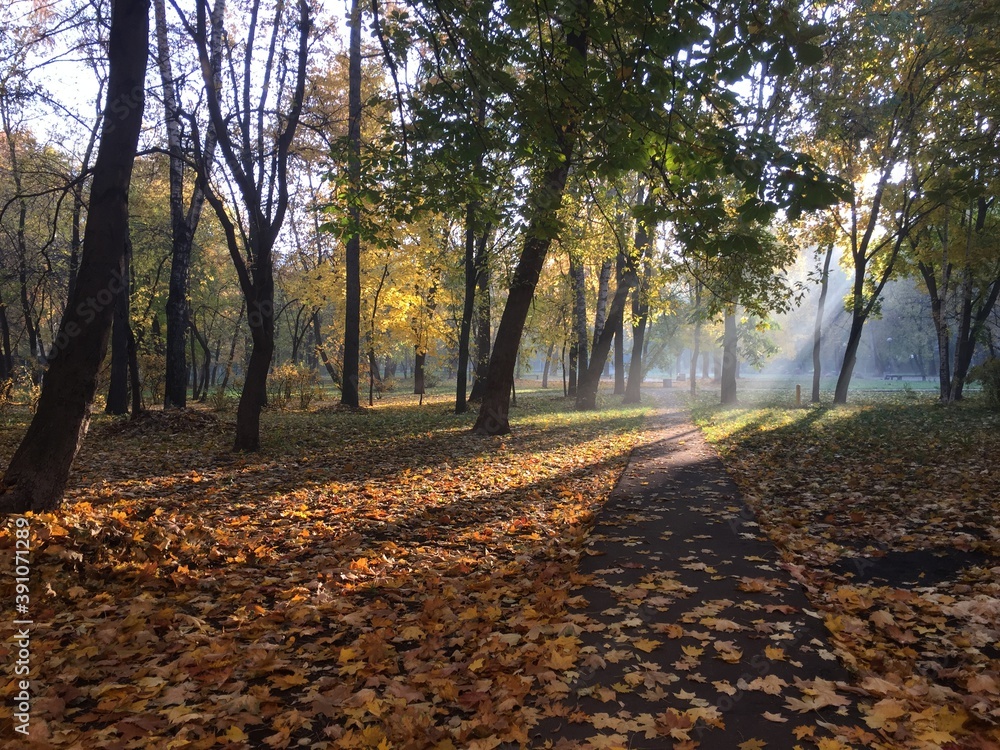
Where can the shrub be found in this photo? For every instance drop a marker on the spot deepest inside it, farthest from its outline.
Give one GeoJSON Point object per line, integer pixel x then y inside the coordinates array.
{"type": "Point", "coordinates": [988, 373]}
{"type": "Point", "coordinates": [291, 380]}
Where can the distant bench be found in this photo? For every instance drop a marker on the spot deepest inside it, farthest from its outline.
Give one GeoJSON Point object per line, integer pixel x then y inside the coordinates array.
{"type": "Point", "coordinates": [892, 376]}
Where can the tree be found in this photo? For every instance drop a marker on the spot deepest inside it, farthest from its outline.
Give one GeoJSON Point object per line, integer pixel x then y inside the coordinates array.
{"type": "Point", "coordinates": [183, 223]}
{"type": "Point", "coordinates": [38, 471]}
{"type": "Point", "coordinates": [255, 133]}
{"type": "Point", "coordinates": [871, 127]}
{"type": "Point", "coordinates": [352, 301]}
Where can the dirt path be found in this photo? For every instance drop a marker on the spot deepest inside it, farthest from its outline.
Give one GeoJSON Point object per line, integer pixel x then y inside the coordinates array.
{"type": "Point", "coordinates": [693, 633]}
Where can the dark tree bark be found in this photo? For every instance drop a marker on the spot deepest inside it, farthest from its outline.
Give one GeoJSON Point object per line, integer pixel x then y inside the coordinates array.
{"type": "Point", "coordinates": [636, 371]}
{"type": "Point", "coordinates": [260, 174]}
{"type": "Point", "coordinates": [620, 338]}
{"type": "Point", "coordinates": [586, 392]}
{"type": "Point", "coordinates": [603, 289]}
{"type": "Point", "coordinates": [730, 358]}
{"type": "Point", "coordinates": [182, 223]}
{"type": "Point", "coordinates": [544, 205]}
{"type": "Point", "coordinates": [468, 307]}
{"type": "Point", "coordinates": [938, 296]}
{"type": "Point", "coordinates": [6, 360]}
{"type": "Point", "coordinates": [640, 314]}
{"type": "Point", "coordinates": [37, 474]}
{"type": "Point", "coordinates": [419, 358]}
{"type": "Point", "coordinates": [824, 286]}
{"type": "Point", "coordinates": [117, 402]}
{"type": "Point", "coordinates": [201, 384]}
{"type": "Point", "coordinates": [573, 372]}
{"type": "Point", "coordinates": [352, 267]}
{"type": "Point", "coordinates": [544, 199]}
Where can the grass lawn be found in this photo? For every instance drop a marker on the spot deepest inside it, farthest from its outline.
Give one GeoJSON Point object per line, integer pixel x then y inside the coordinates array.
{"type": "Point", "coordinates": [886, 510]}
{"type": "Point", "coordinates": [373, 578]}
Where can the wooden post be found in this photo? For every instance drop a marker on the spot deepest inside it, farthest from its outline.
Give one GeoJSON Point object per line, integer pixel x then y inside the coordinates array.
{"type": "Point", "coordinates": [798, 395]}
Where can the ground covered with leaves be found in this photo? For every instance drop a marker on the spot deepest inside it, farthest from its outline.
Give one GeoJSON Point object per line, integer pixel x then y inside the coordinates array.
{"type": "Point", "coordinates": [372, 579]}
{"type": "Point", "coordinates": [886, 511]}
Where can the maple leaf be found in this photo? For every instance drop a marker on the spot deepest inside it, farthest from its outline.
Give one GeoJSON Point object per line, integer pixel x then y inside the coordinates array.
{"type": "Point", "coordinates": [646, 644]}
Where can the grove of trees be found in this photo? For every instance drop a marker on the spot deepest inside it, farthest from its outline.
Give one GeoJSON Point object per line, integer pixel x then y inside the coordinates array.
{"type": "Point", "coordinates": [443, 191]}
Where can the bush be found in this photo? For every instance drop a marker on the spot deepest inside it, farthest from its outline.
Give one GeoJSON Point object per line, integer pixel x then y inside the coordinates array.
{"type": "Point", "coordinates": [988, 373]}
{"type": "Point", "coordinates": [290, 380]}
{"type": "Point", "coordinates": [22, 387]}
{"type": "Point", "coordinates": [153, 373]}
{"type": "Point", "coordinates": [221, 399]}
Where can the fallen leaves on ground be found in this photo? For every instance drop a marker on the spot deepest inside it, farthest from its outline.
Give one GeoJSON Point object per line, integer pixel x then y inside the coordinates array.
{"type": "Point", "coordinates": [886, 512]}
{"type": "Point", "coordinates": [370, 580]}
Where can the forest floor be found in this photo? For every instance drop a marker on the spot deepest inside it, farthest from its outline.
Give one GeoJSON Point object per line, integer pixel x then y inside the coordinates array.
{"type": "Point", "coordinates": [383, 579]}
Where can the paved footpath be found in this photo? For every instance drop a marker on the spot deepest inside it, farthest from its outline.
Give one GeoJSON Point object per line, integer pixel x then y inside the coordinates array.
{"type": "Point", "coordinates": [694, 635]}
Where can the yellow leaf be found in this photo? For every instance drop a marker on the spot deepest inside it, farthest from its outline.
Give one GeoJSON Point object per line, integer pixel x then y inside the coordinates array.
{"type": "Point", "coordinates": [774, 652]}
{"type": "Point", "coordinates": [646, 644]}
{"type": "Point", "coordinates": [235, 734]}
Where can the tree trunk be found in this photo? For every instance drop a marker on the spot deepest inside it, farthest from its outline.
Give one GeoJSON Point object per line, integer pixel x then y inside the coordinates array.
{"type": "Point", "coordinates": [182, 225]}
{"type": "Point", "coordinates": [578, 277]}
{"type": "Point", "coordinates": [586, 392]}
{"type": "Point", "coordinates": [419, 358]}
{"type": "Point", "coordinates": [117, 402]}
{"type": "Point", "coordinates": [542, 210]}
{"type": "Point", "coordinates": [573, 372]}
{"type": "Point", "coordinates": [850, 359]}
{"type": "Point", "coordinates": [481, 362]}
{"type": "Point", "coordinates": [824, 287]}
{"type": "Point", "coordinates": [321, 348]}
{"type": "Point", "coordinates": [633, 391]}
{"type": "Point", "coordinates": [640, 313]}
{"type": "Point", "coordinates": [373, 376]}
{"type": "Point", "coordinates": [562, 369]}
{"type": "Point", "coordinates": [37, 474]}
{"type": "Point", "coordinates": [729, 358]}
{"type": "Point", "coordinates": [352, 267]}
{"type": "Point", "coordinates": [468, 309]}
{"type": "Point", "coordinates": [254, 395]}
{"type": "Point", "coordinates": [696, 346]}
{"type": "Point", "coordinates": [133, 370]}
{"type": "Point", "coordinates": [603, 289]}
{"type": "Point", "coordinates": [544, 204]}
{"type": "Point", "coordinates": [6, 360]}
{"type": "Point", "coordinates": [232, 347]}
{"type": "Point", "coordinates": [938, 298]}
{"type": "Point", "coordinates": [201, 392]}
{"type": "Point", "coordinates": [548, 363]}
{"type": "Point", "coordinates": [471, 274]}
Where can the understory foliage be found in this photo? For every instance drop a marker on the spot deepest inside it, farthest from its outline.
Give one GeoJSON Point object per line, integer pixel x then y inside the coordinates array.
{"type": "Point", "coordinates": [371, 579]}
{"type": "Point", "coordinates": [988, 373]}
{"type": "Point", "coordinates": [886, 512]}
